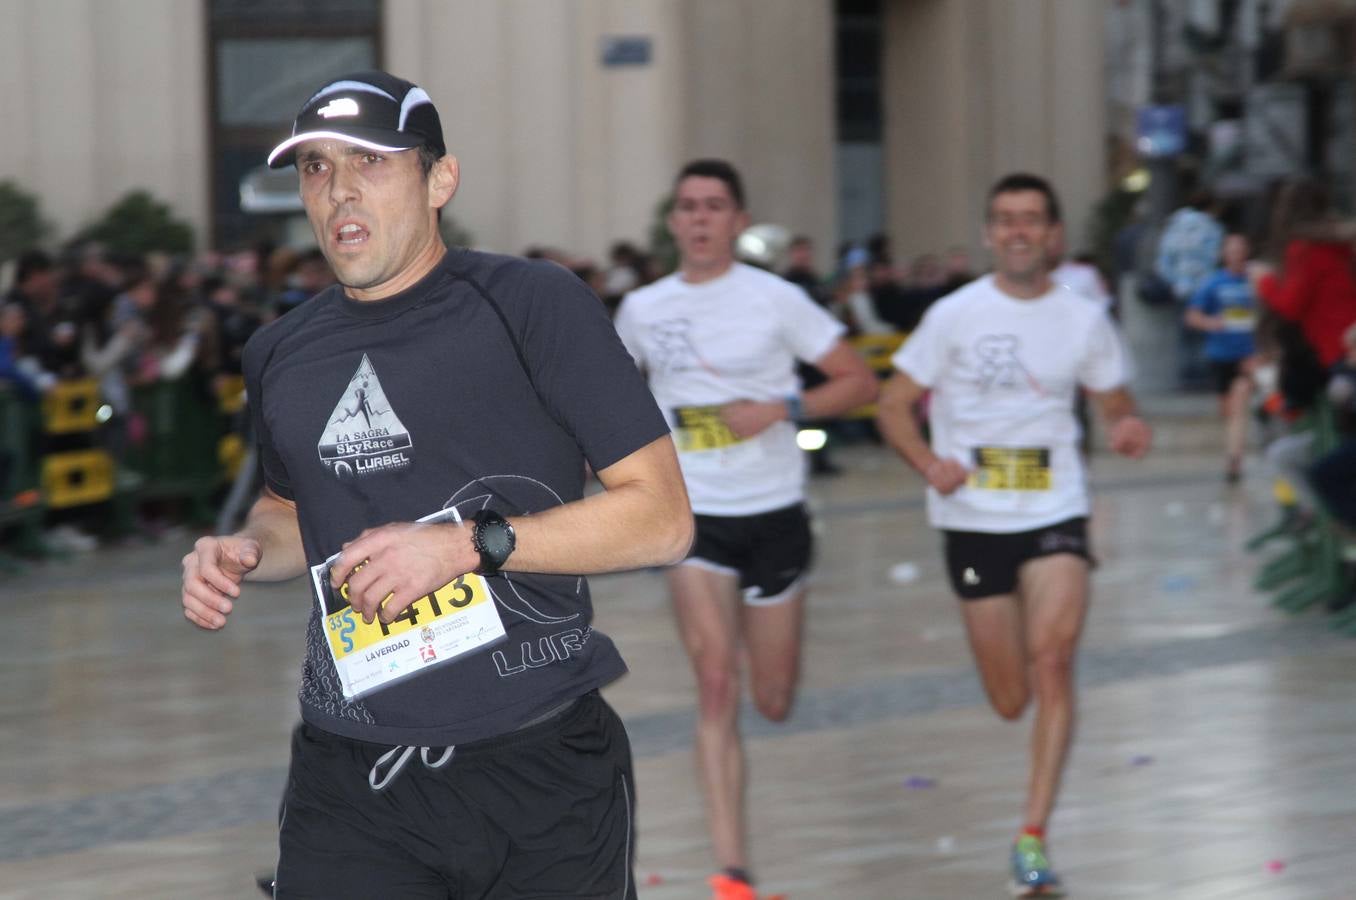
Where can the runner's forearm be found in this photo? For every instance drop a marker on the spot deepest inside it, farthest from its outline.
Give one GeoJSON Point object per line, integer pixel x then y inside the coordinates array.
{"type": "Point", "coordinates": [896, 423]}
{"type": "Point", "coordinates": [1202, 322]}
{"type": "Point", "coordinates": [272, 522]}
{"type": "Point", "coordinates": [838, 396]}
{"type": "Point", "coordinates": [851, 384]}
{"type": "Point", "coordinates": [642, 519]}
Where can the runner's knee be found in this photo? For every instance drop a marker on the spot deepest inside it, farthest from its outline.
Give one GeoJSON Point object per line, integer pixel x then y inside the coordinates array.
{"type": "Point", "coordinates": [1052, 669]}
{"type": "Point", "coordinates": [1010, 701]}
{"type": "Point", "coordinates": [717, 688]}
{"type": "Point", "coordinates": [773, 698]}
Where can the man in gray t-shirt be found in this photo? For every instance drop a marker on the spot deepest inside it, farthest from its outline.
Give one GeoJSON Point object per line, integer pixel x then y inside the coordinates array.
{"type": "Point", "coordinates": [423, 428]}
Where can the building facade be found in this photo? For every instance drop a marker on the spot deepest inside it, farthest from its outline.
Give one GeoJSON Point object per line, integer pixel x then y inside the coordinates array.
{"type": "Point", "coordinates": [569, 117]}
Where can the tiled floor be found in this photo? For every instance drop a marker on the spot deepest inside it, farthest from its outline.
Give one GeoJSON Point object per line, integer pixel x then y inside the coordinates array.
{"type": "Point", "coordinates": [1216, 756]}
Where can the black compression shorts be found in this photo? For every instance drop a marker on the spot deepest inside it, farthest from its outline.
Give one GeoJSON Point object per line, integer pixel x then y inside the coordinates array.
{"type": "Point", "coordinates": [985, 564]}
{"type": "Point", "coordinates": [770, 552]}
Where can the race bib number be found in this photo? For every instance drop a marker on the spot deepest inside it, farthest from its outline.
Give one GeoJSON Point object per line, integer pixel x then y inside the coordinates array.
{"type": "Point", "coordinates": [456, 619]}
{"type": "Point", "coordinates": [1239, 318]}
{"type": "Point", "coordinates": [1011, 469]}
{"type": "Point", "coordinates": [701, 428]}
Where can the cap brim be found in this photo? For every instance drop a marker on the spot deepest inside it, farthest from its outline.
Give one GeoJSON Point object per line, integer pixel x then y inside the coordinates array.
{"type": "Point", "coordinates": [285, 154]}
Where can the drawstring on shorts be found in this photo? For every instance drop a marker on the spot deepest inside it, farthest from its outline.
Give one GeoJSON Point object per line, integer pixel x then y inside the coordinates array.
{"type": "Point", "coordinates": [402, 755]}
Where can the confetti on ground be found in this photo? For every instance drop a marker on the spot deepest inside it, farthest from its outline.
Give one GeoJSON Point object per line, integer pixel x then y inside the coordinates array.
{"type": "Point", "coordinates": [1276, 866]}
{"type": "Point", "coordinates": [946, 844]}
{"type": "Point", "coordinates": [919, 783]}
{"type": "Point", "coordinates": [1142, 760]}
{"type": "Point", "coordinates": [653, 879]}
{"type": "Point", "coordinates": [904, 573]}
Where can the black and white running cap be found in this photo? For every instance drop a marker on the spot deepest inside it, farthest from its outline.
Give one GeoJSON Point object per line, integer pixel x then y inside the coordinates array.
{"type": "Point", "coordinates": [371, 109]}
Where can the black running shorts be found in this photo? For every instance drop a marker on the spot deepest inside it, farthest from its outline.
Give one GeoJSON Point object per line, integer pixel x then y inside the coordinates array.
{"type": "Point", "coordinates": [543, 812]}
{"type": "Point", "coordinates": [1223, 372]}
{"type": "Point", "coordinates": [769, 552]}
{"type": "Point", "coordinates": [985, 564]}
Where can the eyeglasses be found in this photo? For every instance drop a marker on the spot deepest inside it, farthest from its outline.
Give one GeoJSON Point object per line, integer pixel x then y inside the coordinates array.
{"type": "Point", "coordinates": [1005, 220]}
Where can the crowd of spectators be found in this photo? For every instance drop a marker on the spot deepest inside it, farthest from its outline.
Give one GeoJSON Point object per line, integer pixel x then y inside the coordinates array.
{"type": "Point", "coordinates": [866, 288]}
{"type": "Point", "coordinates": [1279, 336]}
{"type": "Point", "coordinates": [130, 322]}
{"type": "Point", "coordinates": [133, 322]}
{"type": "Point", "coordinates": [1307, 285]}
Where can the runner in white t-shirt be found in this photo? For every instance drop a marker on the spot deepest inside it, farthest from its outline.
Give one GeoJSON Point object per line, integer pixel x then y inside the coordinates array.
{"type": "Point", "coordinates": [719, 341]}
{"type": "Point", "coordinates": [1003, 357]}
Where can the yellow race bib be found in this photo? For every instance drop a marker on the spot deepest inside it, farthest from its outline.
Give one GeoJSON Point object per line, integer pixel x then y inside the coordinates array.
{"type": "Point", "coordinates": [349, 634]}
{"type": "Point", "coordinates": [1011, 469]}
{"type": "Point", "coordinates": [701, 428]}
{"type": "Point", "coordinates": [1239, 318]}
{"type": "Point", "coordinates": [458, 618]}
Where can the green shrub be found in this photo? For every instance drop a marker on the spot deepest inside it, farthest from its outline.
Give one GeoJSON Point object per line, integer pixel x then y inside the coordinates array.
{"type": "Point", "coordinates": [662, 247]}
{"type": "Point", "coordinates": [139, 224]}
{"type": "Point", "coordinates": [21, 224]}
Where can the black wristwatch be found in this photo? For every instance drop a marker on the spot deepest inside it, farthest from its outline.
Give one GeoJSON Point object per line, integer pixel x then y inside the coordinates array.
{"type": "Point", "coordinates": [494, 540]}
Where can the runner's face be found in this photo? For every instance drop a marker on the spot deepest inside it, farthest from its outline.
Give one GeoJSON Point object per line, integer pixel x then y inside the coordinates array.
{"type": "Point", "coordinates": [1020, 234]}
{"type": "Point", "coordinates": [705, 222]}
{"type": "Point", "coordinates": [373, 213]}
{"type": "Point", "coordinates": [1235, 252]}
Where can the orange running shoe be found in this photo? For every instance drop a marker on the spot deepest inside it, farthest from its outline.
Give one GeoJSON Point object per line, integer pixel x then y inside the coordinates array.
{"type": "Point", "coordinates": [723, 887]}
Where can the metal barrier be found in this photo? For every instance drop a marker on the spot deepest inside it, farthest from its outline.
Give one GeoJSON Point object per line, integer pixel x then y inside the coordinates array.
{"type": "Point", "coordinates": [176, 445]}
{"type": "Point", "coordinates": [183, 443]}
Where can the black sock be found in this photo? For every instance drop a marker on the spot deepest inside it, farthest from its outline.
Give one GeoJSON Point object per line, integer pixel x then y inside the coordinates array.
{"type": "Point", "coordinates": [739, 874]}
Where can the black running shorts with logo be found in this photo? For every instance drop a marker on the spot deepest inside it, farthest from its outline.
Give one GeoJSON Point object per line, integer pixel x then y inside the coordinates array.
{"type": "Point", "coordinates": [544, 812]}
{"type": "Point", "coordinates": [769, 552]}
{"type": "Point", "coordinates": [985, 564]}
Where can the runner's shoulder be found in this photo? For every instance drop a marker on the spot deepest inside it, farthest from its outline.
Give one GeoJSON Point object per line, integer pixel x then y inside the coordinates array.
{"type": "Point", "coordinates": [513, 278]}
{"type": "Point", "coordinates": [961, 301]}
{"type": "Point", "coordinates": [263, 344]}
{"type": "Point", "coordinates": [1070, 296]}
{"type": "Point", "coordinates": [647, 295]}
{"type": "Point", "coordinates": [762, 279]}
{"type": "Point", "coordinates": [770, 285]}
{"type": "Point", "coordinates": [751, 283]}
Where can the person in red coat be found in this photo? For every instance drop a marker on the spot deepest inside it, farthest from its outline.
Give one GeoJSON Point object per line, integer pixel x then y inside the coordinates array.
{"type": "Point", "coordinates": [1316, 285]}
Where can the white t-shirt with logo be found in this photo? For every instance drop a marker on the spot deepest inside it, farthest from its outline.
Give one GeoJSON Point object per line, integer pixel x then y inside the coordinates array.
{"type": "Point", "coordinates": [1003, 373]}
{"type": "Point", "coordinates": [736, 337]}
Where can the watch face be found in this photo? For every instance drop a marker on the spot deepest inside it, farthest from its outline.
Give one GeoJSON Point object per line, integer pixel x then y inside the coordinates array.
{"type": "Point", "coordinates": [495, 537]}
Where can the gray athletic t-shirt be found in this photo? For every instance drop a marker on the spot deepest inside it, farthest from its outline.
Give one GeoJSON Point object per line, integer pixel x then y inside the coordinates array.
{"type": "Point", "coordinates": [486, 385]}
